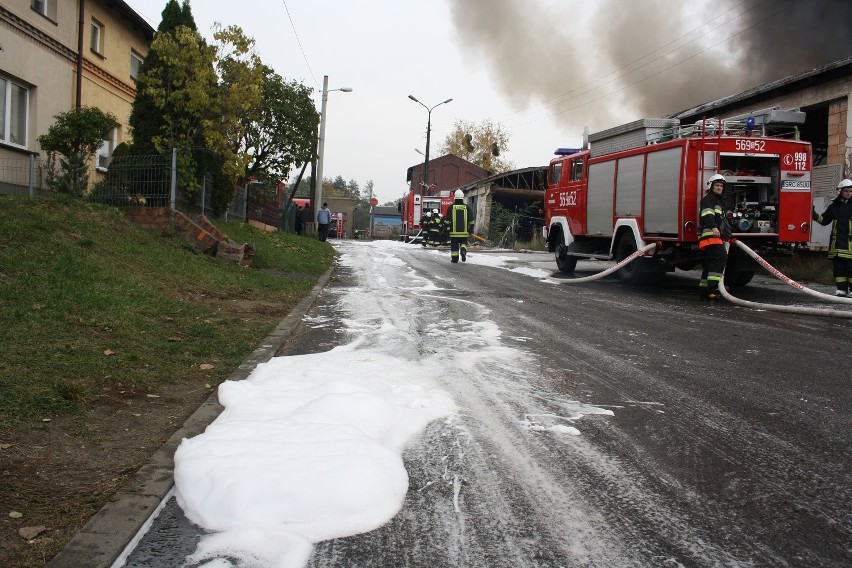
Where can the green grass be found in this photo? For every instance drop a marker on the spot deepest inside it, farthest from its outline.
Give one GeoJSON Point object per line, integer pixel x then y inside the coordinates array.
{"type": "Point", "coordinates": [813, 267]}
{"type": "Point", "coordinates": [90, 303]}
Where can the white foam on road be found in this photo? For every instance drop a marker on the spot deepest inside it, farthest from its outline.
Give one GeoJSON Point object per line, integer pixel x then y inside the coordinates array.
{"type": "Point", "coordinates": [308, 447]}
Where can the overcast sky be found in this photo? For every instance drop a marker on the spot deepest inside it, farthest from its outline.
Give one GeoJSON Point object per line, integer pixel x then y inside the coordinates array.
{"type": "Point", "coordinates": [543, 69]}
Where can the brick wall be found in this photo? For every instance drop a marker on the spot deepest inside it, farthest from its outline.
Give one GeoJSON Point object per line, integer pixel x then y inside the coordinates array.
{"type": "Point", "coordinates": [837, 117]}
{"type": "Point", "coordinates": [205, 237]}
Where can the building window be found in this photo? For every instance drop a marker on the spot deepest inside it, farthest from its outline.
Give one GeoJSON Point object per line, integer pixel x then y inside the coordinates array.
{"type": "Point", "coordinates": [104, 153]}
{"type": "Point", "coordinates": [135, 64]}
{"type": "Point", "coordinates": [13, 112]}
{"type": "Point", "coordinates": [96, 38]}
{"type": "Point", "coordinates": [46, 8]}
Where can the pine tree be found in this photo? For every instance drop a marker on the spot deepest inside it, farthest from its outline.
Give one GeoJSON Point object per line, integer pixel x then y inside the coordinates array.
{"type": "Point", "coordinates": [146, 120]}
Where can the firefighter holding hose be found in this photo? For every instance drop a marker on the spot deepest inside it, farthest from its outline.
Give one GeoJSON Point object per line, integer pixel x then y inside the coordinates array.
{"type": "Point", "coordinates": [714, 232]}
{"type": "Point", "coordinates": [839, 213]}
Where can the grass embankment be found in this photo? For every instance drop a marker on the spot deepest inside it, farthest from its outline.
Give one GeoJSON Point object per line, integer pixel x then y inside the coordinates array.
{"type": "Point", "coordinates": [90, 303]}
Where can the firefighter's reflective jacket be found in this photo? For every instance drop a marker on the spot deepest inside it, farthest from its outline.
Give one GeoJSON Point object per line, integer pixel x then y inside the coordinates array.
{"type": "Point", "coordinates": [460, 219]}
{"type": "Point", "coordinates": [712, 216]}
{"type": "Point", "coordinates": [839, 212]}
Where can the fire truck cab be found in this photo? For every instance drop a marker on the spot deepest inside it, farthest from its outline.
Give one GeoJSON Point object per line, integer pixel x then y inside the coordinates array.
{"type": "Point", "coordinates": [642, 183]}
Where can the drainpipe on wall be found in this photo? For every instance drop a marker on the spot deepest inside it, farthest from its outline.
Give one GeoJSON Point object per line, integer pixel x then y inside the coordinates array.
{"type": "Point", "coordinates": [80, 29]}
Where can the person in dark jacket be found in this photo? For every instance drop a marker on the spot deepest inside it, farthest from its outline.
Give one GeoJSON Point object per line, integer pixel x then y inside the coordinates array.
{"type": "Point", "coordinates": [714, 232]}
{"type": "Point", "coordinates": [460, 220]}
{"type": "Point", "coordinates": [300, 220]}
{"type": "Point", "coordinates": [425, 223]}
{"type": "Point", "coordinates": [435, 228]}
{"type": "Point", "coordinates": [839, 214]}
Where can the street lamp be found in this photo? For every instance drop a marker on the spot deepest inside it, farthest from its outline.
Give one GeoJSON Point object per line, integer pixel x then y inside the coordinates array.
{"type": "Point", "coordinates": [321, 149]}
{"type": "Point", "coordinates": [428, 137]}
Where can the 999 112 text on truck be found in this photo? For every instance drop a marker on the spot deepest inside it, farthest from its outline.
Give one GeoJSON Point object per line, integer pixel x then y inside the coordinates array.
{"type": "Point", "coordinates": [641, 183]}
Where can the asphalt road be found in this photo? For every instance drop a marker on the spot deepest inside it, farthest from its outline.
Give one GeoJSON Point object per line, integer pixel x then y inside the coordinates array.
{"type": "Point", "coordinates": [636, 427]}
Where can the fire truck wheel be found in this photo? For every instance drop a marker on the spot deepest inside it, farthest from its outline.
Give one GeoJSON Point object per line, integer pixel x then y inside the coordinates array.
{"type": "Point", "coordinates": [634, 273]}
{"type": "Point", "coordinates": [738, 279]}
{"type": "Point", "coordinates": [565, 262]}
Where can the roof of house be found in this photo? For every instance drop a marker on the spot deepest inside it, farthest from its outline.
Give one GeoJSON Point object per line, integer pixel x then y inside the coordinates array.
{"type": "Point", "coordinates": [138, 22]}
{"type": "Point", "coordinates": [387, 211]}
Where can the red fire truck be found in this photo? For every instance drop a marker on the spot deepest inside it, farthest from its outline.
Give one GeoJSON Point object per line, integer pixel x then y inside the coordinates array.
{"type": "Point", "coordinates": [641, 183]}
{"type": "Point", "coordinates": [414, 205]}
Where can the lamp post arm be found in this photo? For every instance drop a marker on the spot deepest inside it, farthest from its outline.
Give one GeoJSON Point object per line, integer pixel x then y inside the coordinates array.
{"type": "Point", "coordinates": [428, 138]}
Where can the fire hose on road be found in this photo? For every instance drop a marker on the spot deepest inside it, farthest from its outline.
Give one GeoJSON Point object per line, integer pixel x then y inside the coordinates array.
{"type": "Point", "coordinates": [415, 238]}
{"type": "Point", "coordinates": [734, 300]}
{"type": "Point", "coordinates": [791, 282]}
{"type": "Point", "coordinates": [608, 271]}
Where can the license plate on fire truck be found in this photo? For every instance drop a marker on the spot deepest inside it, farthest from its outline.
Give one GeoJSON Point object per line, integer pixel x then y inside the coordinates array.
{"type": "Point", "coordinates": [794, 184]}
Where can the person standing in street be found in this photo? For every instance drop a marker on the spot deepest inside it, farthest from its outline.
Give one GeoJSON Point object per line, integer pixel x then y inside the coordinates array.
{"type": "Point", "coordinates": [300, 220]}
{"type": "Point", "coordinates": [839, 214]}
{"type": "Point", "coordinates": [443, 231]}
{"type": "Point", "coordinates": [435, 228]}
{"type": "Point", "coordinates": [323, 222]}
{"type": "Point", "coordinates": [714, 232]}
{"type": "Point", "coordinates": [460, 221]}
{"type": "Point", "coordinates": [425, 223]}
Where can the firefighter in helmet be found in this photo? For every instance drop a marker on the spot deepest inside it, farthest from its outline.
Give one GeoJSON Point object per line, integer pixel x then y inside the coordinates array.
{"type": "Point", "coordinates": [443, 230]}
{"type": "Point", "coordinates": [435, 228]}
{"type": "Point", "coordinates": [460, 225]}
{"type": "Point", "coordinates": [425, 221]}
{"type": "Point", "coordinates": [839, 214]}
{"type": "Point", "coordinates": [714, 232]}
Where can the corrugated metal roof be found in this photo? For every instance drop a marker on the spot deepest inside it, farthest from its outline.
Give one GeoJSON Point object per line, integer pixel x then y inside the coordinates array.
{"type": "Point", "coordinates": [494, 179]}
{"type": "Point", "coordinates": [810, 75]}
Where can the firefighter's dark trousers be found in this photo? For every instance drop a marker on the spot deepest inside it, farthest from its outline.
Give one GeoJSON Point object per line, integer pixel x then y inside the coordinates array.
{"type": "Point", "coordinates": [842, 268]}
{"type": "Point", "coordinates": [457, 244]}
{"type": "Point", "coordinates": [715, 257]}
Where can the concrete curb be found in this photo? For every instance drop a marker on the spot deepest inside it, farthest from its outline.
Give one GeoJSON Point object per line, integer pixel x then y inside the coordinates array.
{"type": "Point", "coordinates": [105, 537]}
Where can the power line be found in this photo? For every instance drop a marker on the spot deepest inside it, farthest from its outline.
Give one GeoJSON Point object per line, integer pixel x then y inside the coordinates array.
{"type": "Point", "coordinates": [295, 33]}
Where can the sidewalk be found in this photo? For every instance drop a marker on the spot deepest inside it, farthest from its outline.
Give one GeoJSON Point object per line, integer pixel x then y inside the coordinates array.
{"type": "Point", "coordinates": [114, 530]}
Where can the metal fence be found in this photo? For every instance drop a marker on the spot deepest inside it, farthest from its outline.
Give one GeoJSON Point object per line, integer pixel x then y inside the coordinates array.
{"type": "Point", "coordinates": [135, 180]}
{"type": "Point", "coordinates": [22, 176]}
{"type": "Point", "coordinates": [127, 181]}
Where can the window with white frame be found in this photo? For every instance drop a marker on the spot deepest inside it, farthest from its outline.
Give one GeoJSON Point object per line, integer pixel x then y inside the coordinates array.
{"type": "Point", "coordinates": [13, 112]}
{"type": "Point", "coordinates": [96, 37]}
{"type": "Point", "coordinates": [104, 153]}
{"type": "Point", "coordinates": [135, 64]}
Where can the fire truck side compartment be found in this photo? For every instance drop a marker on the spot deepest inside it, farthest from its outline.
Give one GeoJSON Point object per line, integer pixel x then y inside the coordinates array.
{"type": "Point", "coordinates": [662, 191]}
{"type": "Point", "coordinates": [628, 188]}
{"type": "Point", "coordinates": [599, 198]}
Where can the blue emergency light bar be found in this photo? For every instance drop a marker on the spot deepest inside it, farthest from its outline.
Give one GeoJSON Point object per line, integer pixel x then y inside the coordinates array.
{"type": "Point", "coordinates": [567, 151]}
